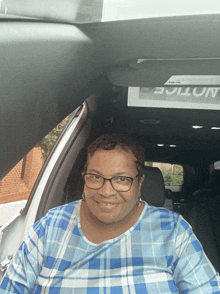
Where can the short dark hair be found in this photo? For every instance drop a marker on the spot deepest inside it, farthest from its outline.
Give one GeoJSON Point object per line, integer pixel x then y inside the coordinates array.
{"type": "Point", "coordinates": [110, 141]}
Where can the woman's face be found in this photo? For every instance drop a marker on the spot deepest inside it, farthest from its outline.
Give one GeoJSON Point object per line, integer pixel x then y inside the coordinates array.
{"type": "Point", "coordinates": [108, 164]}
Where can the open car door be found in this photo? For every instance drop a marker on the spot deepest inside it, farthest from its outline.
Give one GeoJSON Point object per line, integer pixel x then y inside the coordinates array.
{"type": "Point", "coordinates": [48, 68]}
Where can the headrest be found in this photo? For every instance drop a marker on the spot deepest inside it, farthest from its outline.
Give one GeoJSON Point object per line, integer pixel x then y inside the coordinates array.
{"type": "Point", "coordinates": [153, 188]}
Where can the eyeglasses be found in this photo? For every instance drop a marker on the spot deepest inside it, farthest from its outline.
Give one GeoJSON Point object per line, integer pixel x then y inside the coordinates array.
{"type": "Point", "coordinates": [119, 183]}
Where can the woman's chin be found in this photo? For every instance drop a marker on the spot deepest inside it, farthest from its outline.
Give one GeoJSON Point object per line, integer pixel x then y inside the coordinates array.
{"type": "Point", "coordinates": [107, 216]}
{"type": "Point", "coordinates": [109, 213]}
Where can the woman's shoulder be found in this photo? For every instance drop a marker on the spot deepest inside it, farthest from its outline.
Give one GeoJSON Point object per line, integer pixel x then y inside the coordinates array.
{"type": "Point", "coordinates": [60, 216]}
{"type": "Point", "coordinates": [159, 219]}
{"type": "Point", "coordinates": [161, 214]}
{"type": "Point", "coordinates": [68, 207]}
{"type": "Point", "coordinates": [67, 210]}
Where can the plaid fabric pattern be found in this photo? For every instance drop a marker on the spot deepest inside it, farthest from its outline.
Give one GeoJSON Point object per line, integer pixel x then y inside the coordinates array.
{"type": "Point", "coordinates": [159, 254]}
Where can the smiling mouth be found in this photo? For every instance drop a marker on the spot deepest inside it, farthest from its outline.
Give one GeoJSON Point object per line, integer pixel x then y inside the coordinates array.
{"type": "Point", "coordinates": [108, 204]}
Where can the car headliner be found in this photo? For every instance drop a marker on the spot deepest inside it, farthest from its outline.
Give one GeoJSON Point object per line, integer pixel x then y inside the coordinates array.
{"type": "Point", "coordinates": [48, 69]}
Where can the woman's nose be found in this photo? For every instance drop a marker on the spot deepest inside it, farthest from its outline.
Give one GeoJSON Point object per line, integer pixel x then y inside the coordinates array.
{"type": "Point", "coordinates": [107, 189]}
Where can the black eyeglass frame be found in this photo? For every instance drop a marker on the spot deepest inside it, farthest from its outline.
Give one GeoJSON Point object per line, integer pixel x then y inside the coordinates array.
{"type": "Point", "coordinates": [105, 179]}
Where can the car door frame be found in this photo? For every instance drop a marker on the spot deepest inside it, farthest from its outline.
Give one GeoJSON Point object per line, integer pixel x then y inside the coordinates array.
{"type": "Point", "coordinates": [63, 154]}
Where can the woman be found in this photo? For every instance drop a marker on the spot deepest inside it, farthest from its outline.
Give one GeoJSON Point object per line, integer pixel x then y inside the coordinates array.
{"type": "Point", "coordinates": [111, 241]}
{"type": "Point", "coordinates": [113, 180]}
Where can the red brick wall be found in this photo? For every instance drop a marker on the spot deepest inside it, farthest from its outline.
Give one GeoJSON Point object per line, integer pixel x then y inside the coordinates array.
{"type": "Point", "coordinates": [12, 187]}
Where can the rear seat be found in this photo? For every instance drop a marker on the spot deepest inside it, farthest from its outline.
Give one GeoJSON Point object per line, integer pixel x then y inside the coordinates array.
{"type": "Point", "coordinates": [204, 217]}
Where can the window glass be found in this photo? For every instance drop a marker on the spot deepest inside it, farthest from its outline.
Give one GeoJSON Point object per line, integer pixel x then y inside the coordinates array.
{"type": "Point", "coordinates": [82, 11]}
{"type": "Point", "coordinates": [217, 165]}
{"type": "Point", "coordinates": [78, 11]}
{"type": "Point", "coordinates": [133, 9]}
{"type": "Point", "coordinates": [16, 186]}
{"type": "Point", "coordinates": [172, 173]}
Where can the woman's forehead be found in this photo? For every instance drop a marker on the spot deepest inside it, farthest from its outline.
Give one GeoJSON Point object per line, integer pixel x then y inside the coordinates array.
{"type": "Point", "coordinates": [117, 156]}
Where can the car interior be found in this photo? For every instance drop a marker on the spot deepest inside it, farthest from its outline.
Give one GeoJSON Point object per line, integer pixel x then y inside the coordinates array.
{"type": "Point", "coordinates": [57, 67]}
{"type": "Point", "coordinates": [198, 200]}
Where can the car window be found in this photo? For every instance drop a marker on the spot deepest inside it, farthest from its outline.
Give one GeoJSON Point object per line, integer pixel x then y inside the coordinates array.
{"type": "Point", "coordinates": [133, 9]}
{"type": "Point", "coordinates": [172, 173]}
{"type": "Point", "coordinates": [77, 11]}
{"type": "Point", "coordinates": [16, 186]}
{"type": "Point", "coordinates": [83, 11]}
{"type": "Point", "coordinates": [217, 165]}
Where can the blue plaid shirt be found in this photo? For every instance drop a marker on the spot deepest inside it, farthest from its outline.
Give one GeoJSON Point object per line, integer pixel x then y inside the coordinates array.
{"type": "Point", "coordinates": [159, 254]}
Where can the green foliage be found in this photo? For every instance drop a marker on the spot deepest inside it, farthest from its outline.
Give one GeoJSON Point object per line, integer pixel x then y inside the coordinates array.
{"type": "Point", "coordinates": [48, 141]}
{"type": "Point", "coordinates": [174, 176]}
{"type": "Point", "coordinates": [148, 163]}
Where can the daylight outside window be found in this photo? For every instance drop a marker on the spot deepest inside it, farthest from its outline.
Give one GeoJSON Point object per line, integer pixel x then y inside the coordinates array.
{"type": "Point", "coordinates": [172, 173]}
{"type": "Point", "coordinates": [217, 165]}
{"type": "Point", "coordinates": [16, 186]}
{"type": "Point", "coordinates": [84, 11]}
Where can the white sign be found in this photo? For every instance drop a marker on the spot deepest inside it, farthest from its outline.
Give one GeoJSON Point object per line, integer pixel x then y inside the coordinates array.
{"type": "Point", "coordinates": [175, 97]}
{"type": "Point", "coordinates": [187, 80]}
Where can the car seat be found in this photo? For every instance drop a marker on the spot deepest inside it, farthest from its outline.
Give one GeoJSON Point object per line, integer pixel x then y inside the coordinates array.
{"type": "Point", "coordinates": [153, 188]}
{"type": "Point", "coordinates": [204, 217]}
